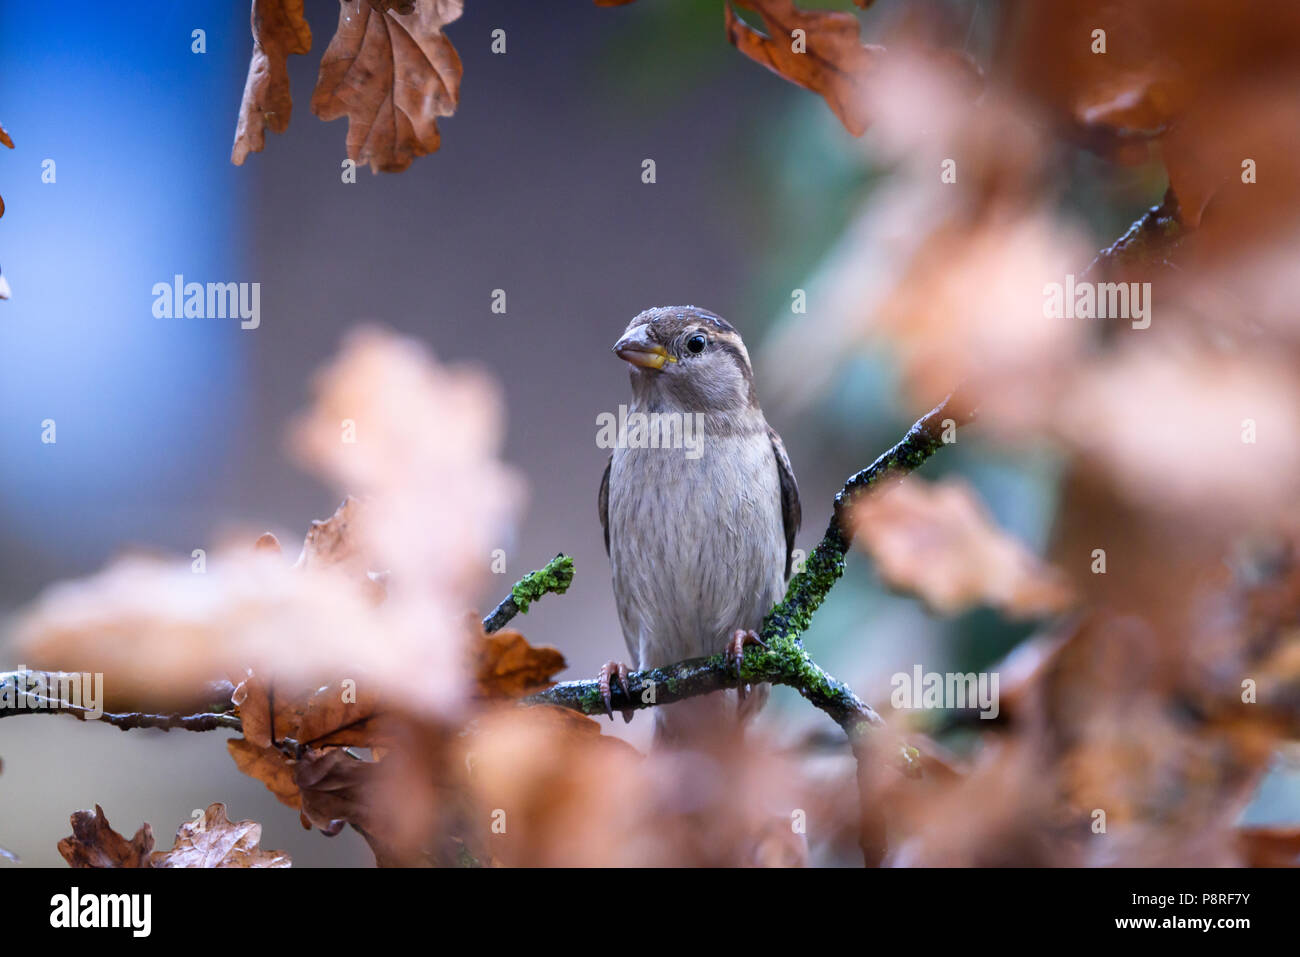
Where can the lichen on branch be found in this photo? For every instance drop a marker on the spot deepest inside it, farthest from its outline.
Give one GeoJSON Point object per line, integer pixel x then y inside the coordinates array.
{"type": "Point", "coordinates": [555, 576]}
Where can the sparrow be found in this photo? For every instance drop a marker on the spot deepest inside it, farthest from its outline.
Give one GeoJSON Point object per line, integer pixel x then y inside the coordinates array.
{"type": "Point", "coordinates": [700, 539]}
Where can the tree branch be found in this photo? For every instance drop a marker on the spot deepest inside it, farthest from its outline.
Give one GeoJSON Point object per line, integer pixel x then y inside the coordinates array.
{"type": "Point", "coordinates": [17, 685]}
{"type": "Point", "coordinates": [1151, 239]}
{"type": "Point", "coordinates": [786, 665]}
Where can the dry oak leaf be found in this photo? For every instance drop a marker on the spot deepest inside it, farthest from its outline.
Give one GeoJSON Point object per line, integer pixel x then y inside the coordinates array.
{"type": "Point", "coordinates": [938, 541]}
{"type": "Point", "coordinates": [338, 789]}
{"type": "Point", "coordinates": [217, 841]}
{"type": "Point", "coordinates": [342, 713]}
{"type": "Point", "coordinates": [834, 64]}
{"type": "Point", "coordinates": [269, 766]}
{"type": "Point", "coordinates": [507, 666]}
{"type": "Point", "coordinates": [392, 75]}
{"type": "Point", "coordinates": [334, 540]}
{"type": "Point", "coordinates": [337, 540]}
{"type": "Point", "coordinates": [279, 29]}
{"type": "Point", "coordinates": [267, 542]}
{"type": "Point", "coordinates": [95, 844]}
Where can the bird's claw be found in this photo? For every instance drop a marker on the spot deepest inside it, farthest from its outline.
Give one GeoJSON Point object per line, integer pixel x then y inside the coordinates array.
{"type": "Point", "coordinates": [740, 639]}
{"type": "Point", "coordinates": [611, 670]}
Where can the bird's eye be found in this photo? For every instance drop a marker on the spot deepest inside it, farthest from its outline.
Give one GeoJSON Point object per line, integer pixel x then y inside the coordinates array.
{"type": "Point", "coordinates": [696, 343]}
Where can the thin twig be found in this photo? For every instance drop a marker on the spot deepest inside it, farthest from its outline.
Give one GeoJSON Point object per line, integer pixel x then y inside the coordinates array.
{"type": "Point", "coordinates": [555, 576]}
{"type": "Point", "coordinates": [204, 721]}
{"type": "Point", "coordinates": [19, 687]}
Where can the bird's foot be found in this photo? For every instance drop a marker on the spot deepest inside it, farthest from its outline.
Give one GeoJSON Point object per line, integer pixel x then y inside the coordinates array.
{"type": "Point", "coordinates": [740, 639]}
{"type": "Point", "coordinates": [610, 671]}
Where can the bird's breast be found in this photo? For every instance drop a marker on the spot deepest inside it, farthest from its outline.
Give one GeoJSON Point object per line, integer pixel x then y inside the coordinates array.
{"type": "Point", "coordinates": [696, 543]}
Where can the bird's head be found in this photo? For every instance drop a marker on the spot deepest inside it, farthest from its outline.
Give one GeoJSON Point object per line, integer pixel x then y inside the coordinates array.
{"type": "Point", "coordinates": [688, 359]}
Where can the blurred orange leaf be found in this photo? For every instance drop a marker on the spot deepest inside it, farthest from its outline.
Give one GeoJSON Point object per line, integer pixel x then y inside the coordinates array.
{"type": "Point", "coordinates": [937, 540]}
{"type": "Point", "coordinates": [1117, 77]}
{"type": "Point", "coordinates": [334, 540]}
{"type": "Point", "coordinates": [1270, 846]}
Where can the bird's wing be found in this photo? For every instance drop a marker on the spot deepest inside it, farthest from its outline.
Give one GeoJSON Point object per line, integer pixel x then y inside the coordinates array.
{"type": "Point", "coordinates": [791, 514]}
{"type": "Point", "coordinates": [602, 500]}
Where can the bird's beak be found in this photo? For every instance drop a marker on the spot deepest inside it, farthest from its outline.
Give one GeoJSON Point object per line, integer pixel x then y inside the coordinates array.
{"type": "Point", "coordinates": [637, 349]}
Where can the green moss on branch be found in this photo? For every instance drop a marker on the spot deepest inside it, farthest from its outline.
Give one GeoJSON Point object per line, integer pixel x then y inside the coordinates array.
{"type": "Point", "coordinates": [555, 576]}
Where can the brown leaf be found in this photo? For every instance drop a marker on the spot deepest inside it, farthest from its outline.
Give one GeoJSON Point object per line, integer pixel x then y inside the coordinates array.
{"type": "Point", "coordinates": [338, 540]}
{"type": "Point", "coordinates": [343, 715]}
{"type": "Point", "coordinates": [1194, 463]}
{"type": "Point", "coordinates": [425, 460]}
{"type": "Point", "coordinates": [279, 29]}
{"type": "Point", "coordinates": [334, 540]}
{"type": "Point", "coordinates": [938, 541]}
{"type": "Point", "coordinates": [507, 666]}
{"type": "Point", "coordinates": [336, 714]}
{"type": "Point", "coordinates": [1185, 88]}
{"type": "Point", "coordinates": [253, 704]}
{"type": "Point", "coordinates": [1270, 846]}
{"type": "Point", "coordinates": [216, 841]}
{"type": "Point", "coordinates": [549, 789]}
{"type": "Point", "coordinates": [269, 766]}
{"type": "Point", "coordinates": [337, 789]}
{"type": "Point", "coordinates": [395, 804]}
{"type": "Point", "coordinates": [95, 844]}
{"type": "Point", "coordinates": [391, 75]}
{"type": "Point", "coordinates": [266, 542]}
{"type": "Point", "coordinates": [834, 64]}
